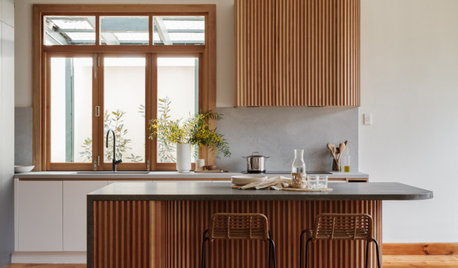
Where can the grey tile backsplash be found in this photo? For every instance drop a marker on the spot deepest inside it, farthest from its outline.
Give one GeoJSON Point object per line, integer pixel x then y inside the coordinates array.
{"type": "Point", "coordinates": [273, 131]}
{"type": "Point", "coordinates": [23, 131]}
{"type": "Point", "coordinates": [277, 131]}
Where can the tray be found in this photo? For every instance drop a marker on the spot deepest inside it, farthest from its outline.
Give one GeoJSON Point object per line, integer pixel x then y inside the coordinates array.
{"type": "Point", "coordinates": [238, 187]}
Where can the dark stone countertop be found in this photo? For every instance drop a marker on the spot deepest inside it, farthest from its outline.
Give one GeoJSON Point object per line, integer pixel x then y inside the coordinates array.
{"type": "Point", "coordinates": [198, 190]}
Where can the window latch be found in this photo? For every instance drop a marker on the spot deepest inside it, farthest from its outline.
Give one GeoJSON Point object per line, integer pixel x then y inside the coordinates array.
{"type": "Point", "coordinates": [97, 111]}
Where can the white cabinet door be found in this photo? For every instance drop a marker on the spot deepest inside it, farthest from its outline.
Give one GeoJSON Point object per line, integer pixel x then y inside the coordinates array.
{"type": "Point", "coordinates": [39, 215]}
{"type": "Point", "coordinates": [75, 212]}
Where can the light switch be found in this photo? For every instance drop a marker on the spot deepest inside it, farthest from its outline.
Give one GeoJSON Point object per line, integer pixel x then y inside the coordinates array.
{"type": "Point", "coordinates": [367, 119]}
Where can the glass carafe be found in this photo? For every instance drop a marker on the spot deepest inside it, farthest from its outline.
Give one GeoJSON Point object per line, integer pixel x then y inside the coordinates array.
{"type": "Point", "coordinates": [298, 165]}
{"type": "Point", "coordinates": [298, 169]}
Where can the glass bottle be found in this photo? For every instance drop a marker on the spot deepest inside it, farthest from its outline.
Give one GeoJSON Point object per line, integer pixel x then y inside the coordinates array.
{"type": "Point", "coordinates": [345, 161]}
{"type": "Point", "coordinates": [298, 165]}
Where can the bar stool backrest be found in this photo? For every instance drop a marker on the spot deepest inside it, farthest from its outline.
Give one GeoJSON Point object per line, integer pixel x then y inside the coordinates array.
{"type": "Point", "coordinates": [332, 226]}
{"type": "Point", "coordinates": [247, 226]}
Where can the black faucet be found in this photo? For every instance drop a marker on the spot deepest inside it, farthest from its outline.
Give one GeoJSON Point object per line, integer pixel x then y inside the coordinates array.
{"type": "Point", "coordinates": [115, 162]}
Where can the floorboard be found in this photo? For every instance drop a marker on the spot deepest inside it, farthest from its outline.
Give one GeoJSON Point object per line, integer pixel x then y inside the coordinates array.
{"type": "Point", "coordinates": [389, 261]}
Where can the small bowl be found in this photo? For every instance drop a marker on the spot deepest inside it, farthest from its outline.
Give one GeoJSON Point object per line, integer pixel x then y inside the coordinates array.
{"type": "Point", "coordinates": [245, 179]}
{"type": "Point", "coordinates": [23, 169]}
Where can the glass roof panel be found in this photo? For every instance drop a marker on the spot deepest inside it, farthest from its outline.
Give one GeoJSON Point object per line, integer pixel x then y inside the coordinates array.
{"type": "Point", "coordinates": [75, 36]}
{"type": "Point", "coordinates": [73, 24]}
{"type": "Point", "coordinates": [124, 30]}
{"type": "Point", "coordinates": [179, 30]}
{"type": "Point", "coordinates": [69, 30]}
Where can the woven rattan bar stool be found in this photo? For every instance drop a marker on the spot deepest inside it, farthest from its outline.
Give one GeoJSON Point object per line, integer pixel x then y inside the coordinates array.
{"type": "Point", "coordinates": [336, 226]}
{"type": "Point", "coordinates": [243, 226]}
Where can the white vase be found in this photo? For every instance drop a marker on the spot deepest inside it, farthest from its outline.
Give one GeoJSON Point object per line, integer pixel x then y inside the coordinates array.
{"type": "Point", "coordinates": [183, 157]}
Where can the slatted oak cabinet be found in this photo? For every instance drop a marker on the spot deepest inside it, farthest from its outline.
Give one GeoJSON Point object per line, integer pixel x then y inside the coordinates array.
{"type": "Point", "coordinates": [297, 52]}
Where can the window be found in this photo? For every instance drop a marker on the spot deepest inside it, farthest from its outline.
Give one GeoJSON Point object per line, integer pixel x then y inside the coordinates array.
{"type": "Point", "coordinates": [71, 116]}
{"type": "Point", "coordinates": [69, 30]}
{"type": "Point", "coordinates": [124, 107]}
{"type": "Point", "coordinates": [116, 67]}
{"type": "Point", "coordinates": [174, 95]}
{"type": "Point", "coordinates": [174, 30]}
{"type": "Point", "coordinates": [124, 30]}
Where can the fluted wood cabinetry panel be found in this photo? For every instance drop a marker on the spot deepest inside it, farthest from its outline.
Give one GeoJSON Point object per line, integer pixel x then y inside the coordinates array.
{"type": "Point", "coordinates": [121, 234]}
{"type": "Point", "coordinates": [297, 52]}
{"type": "Point", "coordinates": [168, 234]}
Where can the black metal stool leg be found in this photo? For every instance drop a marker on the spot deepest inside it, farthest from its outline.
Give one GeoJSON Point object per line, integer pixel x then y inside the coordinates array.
{"type": "Point", "coordinates": [301, 248]}
{"type": "Point", "coordinates": [307, 252]}
{"type": "Point", "coordinates": [203, 256]}
{"type": "Point", "coordinates": [367, 252]}
{"type": "Point", "coordinates": [378, 252]}
{"type": "Point", "coordinates": [270, 255]}
{"type": "Point", "coordinates": [272, 250]}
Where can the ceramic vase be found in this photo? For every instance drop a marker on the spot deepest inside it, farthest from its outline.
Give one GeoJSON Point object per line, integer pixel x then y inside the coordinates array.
{"type": "Point", "coordinates": [183, 157]}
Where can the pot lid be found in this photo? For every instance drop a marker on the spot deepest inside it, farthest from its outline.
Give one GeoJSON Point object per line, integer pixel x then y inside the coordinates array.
{"type": "Point", "coordinates": [257, 154]}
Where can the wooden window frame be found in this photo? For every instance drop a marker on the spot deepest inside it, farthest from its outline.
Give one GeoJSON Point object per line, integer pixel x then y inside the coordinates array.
{"type": "Point", "coordinates": [41, 54]}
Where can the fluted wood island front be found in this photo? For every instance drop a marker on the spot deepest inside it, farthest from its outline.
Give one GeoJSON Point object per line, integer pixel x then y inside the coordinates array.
{"type": "Point", "coordinates": [160, 224]}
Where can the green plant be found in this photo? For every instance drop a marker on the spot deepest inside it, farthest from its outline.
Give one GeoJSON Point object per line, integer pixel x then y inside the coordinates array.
{"type": "Point", "coordinates": [112, 120]}
{"type": "Point", "coordinates": [166, 149]}
{"type": "Point", "coordinates": [194, 130]}
{"type": "Point", "coordinates": [86, 153]}
{"type": "Point", "coordinates": [204, 135]}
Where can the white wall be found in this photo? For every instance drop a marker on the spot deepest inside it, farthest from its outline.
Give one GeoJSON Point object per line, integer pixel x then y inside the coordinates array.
{"type": "Point", "coordinates": [225, 44]}
{"type": "Point", "coordinates": [410, 85]}
{"type": "Point", "coordinates": [6, 129]}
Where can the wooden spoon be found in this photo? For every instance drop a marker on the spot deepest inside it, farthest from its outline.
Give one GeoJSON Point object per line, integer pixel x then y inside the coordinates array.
{"type": "Point", "coordinates": [332, 149]}
{"type": "Point", "coordinates": [342, 148]}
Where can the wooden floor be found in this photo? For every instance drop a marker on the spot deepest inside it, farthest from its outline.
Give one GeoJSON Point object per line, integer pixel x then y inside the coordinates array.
{"type": "Point", "coordinates": [389, 261]}
{"type": "Point", "coordinates": [403, 261]}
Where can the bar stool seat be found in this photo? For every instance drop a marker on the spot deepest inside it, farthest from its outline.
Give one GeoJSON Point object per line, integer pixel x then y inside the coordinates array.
{"type": "Point", "coordinates": [340, 226]}
{"type": "Point", "coordinates": [241, 226]}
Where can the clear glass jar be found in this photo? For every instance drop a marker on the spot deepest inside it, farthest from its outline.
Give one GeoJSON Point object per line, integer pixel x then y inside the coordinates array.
{"type": "Point", "coordinates": [298, 169]}
{"type": "Point", "coordinates": [298, 165]}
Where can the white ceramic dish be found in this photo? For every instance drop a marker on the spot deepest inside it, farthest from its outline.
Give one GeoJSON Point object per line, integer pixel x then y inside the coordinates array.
{"type": "Point", "coordinates": [245, 179]}
{"type": "Point", "coordinates": [23, 169]}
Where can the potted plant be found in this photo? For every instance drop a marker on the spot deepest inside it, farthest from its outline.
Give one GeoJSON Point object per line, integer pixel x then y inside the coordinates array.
{"type": "Point", "coordinates": [195, 130]}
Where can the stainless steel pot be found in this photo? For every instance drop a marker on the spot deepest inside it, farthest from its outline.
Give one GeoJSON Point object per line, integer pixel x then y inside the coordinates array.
{"type": "Point", "coordinates": [255, 163]}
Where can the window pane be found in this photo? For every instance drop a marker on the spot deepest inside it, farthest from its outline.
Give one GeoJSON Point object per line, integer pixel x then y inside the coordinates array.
{"type": "Point", "coordinates": [179, 30]}
{"type": "Point", "coordinates": [71, 110]}
{"type": "Point", "coordinates": [124, 30]}
{"type": "Point", "coordinates": [177, 93]}
{"type": "Point", "coordinates": [124, 101]}
{"type": "Point", "coordinates": [69, 30]}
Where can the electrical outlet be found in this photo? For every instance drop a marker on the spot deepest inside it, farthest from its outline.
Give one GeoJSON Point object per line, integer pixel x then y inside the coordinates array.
{"type": "Point", "coordinates": [367, 119]}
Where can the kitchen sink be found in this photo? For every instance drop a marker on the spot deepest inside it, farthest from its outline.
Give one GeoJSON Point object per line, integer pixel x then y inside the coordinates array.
{"type": "Point", "coordinates": [111, 172]}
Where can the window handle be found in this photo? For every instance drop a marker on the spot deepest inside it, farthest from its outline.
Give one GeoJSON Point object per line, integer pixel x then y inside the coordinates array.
{"type": "Point", "coordinates": [97, 111]}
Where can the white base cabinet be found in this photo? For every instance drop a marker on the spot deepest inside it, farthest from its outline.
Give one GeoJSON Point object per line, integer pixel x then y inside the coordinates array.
{"type": "Point", "coordinates": [38, 209]}
{"type": "Point", "coordinates": [74, 213]}
{"type": "Point", "coordinates": [50, 216]}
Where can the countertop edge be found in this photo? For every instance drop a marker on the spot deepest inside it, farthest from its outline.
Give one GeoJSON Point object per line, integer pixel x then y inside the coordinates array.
{"type": "Point", "coordinates": [73, 175]}
{"type": "Point", "coordinates": [411, 197]}
{"type": "Point", "coordinates": [161, 191]}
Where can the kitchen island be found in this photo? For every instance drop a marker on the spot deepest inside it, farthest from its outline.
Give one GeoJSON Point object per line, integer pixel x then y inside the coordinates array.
{"type": "Point", "coordinates": [160, 224]}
